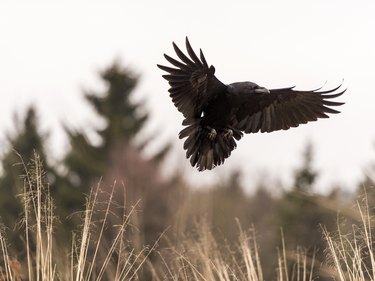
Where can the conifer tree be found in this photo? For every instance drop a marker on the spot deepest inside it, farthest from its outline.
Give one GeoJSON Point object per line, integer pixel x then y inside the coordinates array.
{"type": "Point", "coordinates": [302, 212]}
{"type": "Point", "coordinates": [22, 144]}
{"type": "Point", "coordinates": [124, 119]}
{"type": "Point", "coordinates": [366, 187]}
{"type": "Point", "coordinates": [118, 156]}
{"type": "Point", "coordinates": [305, 176]}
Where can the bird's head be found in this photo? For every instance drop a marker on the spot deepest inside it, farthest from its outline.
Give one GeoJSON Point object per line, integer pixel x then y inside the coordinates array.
{"type": "Point", "coordinates": [249, 88]}
{"type": "Point", "coordinates": [255, 88]}
{"type": "Point", "coordinates": [261, 90]}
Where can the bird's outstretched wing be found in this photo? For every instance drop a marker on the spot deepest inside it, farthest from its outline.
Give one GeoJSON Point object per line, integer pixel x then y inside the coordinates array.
{"type": "Point", "coordinates": [192, 82]}
{"type": "Point", "coordinates": [284, 108]}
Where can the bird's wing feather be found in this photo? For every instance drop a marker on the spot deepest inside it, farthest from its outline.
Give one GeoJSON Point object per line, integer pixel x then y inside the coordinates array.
{"type": "Point", "coordinates": [284, 108]}
{"type": "Point", "coordinates": [192, 81]}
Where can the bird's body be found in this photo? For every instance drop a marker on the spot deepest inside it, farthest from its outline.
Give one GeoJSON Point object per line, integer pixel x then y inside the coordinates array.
{"type": "Point", "coordinates": [217, 114]}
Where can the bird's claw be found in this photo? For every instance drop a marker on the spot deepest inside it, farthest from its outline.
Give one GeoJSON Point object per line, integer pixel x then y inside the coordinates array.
{"type": "Point", "coordinates": [212, 134]}
{"type": "Point", "coordinates": [228, 133]}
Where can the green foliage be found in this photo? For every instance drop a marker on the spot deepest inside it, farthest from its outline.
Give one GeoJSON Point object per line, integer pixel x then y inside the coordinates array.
{"type": "Point", "coordinates": [366, 187]}
{"type": "Point", "coordinates": [301, 212]}
{"type": "Point", "coordinates": [305, 176]}
{"type": "Point", "coordinates": [118, 156]}
{"type": "Point", "coordinates": [23, 144]}
{"type": "Point", "coordinates": [24, 141]}
{"type": "Point", "coordinates": [123, 118]}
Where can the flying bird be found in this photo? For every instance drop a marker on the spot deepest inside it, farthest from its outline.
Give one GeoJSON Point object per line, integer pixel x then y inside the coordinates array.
{"type": "Point", "coordinates": [216, 114]}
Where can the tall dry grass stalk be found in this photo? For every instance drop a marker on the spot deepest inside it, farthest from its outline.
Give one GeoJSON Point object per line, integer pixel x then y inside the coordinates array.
{"type": "Point", "coordinates": [90, 257]}
{"type": "Point", "coordinates": [202, 257]}
{"type": "Point", "coordinates": [351, 254]}
{"type": "Point", "coordinates": [294, 266]}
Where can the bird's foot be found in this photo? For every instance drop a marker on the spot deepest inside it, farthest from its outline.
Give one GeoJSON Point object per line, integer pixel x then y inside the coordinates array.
{"type": "Point", "coordinates": [212, 133]}
{"type": "Point", "coordinates": [228, 133]}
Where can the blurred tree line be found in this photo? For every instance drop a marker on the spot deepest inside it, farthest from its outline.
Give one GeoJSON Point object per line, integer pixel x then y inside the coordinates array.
{"type": "Point", "coordinates": [164, 203]}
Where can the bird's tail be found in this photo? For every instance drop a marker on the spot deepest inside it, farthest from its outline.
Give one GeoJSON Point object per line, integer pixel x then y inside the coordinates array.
{"type": "Point", "coordinates": [206, 153]}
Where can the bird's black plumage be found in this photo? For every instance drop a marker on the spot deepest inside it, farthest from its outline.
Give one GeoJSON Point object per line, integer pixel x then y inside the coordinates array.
{"type": "Point", "coordinates": [216, 114]}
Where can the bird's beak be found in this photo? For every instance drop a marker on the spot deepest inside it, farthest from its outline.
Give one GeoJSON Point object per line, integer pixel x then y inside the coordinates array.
{"type": "Point", "coordinates": [261, 90]}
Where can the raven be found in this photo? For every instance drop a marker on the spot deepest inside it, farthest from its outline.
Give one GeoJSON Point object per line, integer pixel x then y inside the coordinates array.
{"type": "Point", "coordinates": [217, 114]}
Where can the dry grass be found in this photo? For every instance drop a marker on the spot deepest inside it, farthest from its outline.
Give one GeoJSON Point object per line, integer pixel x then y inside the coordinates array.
{"type": "Point", "coordinates": [351, 254]}
{"type": "Point", "coordinates": [85, 260]}
{"type": "Point", "coordinates": [198, 256]}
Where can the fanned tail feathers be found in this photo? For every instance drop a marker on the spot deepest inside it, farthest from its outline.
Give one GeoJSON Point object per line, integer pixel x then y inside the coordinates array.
{"type": "Point", "coordinates": [206, 154]}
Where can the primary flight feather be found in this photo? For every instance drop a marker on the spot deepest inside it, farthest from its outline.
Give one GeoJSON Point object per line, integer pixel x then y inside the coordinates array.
{"type": "Point", "coordinates": [217, 114]}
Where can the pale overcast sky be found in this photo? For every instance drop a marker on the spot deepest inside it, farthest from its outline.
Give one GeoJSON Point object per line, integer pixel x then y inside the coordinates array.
{"type": "Point", "coordinates": [51, 50]}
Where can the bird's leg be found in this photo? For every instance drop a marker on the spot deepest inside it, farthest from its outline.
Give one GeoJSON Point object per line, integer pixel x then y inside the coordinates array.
{"type": "Point", "coordinates": [212, 133]}
{"type": "Point", "coordinates": [228, 133]}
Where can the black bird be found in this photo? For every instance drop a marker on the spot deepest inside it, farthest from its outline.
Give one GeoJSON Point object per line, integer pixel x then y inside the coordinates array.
{"type": "Point", "coordinates": [216, 114]}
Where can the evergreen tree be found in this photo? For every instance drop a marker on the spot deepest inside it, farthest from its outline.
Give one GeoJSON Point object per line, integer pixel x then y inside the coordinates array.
{"type": "Point", "coordinates": [299, 217]}
{"type": "Point", "coordinates": [17, 167]}
{"type": "Point", "coordinates": [123, 118]}
{"type": "Point", "coordinates": [22, 143]}
{"type": "Point", "coordinates": [305, 176]}
{"type": "Point", "coordinates": [118, 156]}
{"type": "Point", "coordinates": [302, 212]}
{"type": "Point", "coordinates": [366, 187]}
